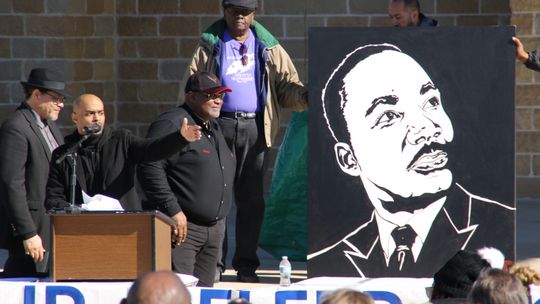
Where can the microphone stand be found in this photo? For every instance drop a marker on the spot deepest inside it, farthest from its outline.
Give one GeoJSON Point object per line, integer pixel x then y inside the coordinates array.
{"type": "Point", "coordinates": [71, 154]}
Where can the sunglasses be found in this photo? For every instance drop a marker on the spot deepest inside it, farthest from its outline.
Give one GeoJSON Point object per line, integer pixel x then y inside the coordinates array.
{"type": "Point", "coordinates": [214, 96]}
{"type": "Point", "coordinates": [243, 51]}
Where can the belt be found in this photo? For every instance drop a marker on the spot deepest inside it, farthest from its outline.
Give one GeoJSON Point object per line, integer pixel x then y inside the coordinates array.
{"type": "Point", "coordinates": [237, 115]}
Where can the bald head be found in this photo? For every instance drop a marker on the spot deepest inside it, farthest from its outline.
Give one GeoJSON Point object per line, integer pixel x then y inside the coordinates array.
{"type": "Point", "coordinates": [88, 109]}
{"type": "Point", "coordinates": [163, 287]}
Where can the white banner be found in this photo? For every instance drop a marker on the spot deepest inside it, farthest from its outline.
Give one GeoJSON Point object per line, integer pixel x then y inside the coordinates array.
{"type": "Point", "coordinates": [383, 290]}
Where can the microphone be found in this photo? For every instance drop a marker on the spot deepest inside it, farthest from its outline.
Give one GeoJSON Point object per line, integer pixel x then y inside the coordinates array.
{"type": "Point", "coordinates": [91, 129]}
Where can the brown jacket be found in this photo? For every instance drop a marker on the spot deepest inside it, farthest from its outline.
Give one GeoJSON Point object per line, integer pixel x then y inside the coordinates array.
{"type": "Point", "coordinates": [281, 81]}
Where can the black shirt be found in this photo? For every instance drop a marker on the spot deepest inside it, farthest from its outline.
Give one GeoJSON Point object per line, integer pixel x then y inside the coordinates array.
{"type": "Point", "coordinates": [198, 180]}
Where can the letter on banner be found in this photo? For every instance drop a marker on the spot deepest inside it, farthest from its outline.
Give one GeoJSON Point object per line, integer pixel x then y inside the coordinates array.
{"type": "Point", "coordinates": [51, 292]}
{"type": "Point", "coordinates": [386, 296]}
{"type": "Point", "coordinates": [207, 295]}
{"type": "Point", "coordinates": [284, 295]}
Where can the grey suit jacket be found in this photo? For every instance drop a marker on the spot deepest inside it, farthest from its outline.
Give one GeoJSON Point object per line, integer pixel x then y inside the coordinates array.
{"type": "Point", "coordinates": [24, 168]}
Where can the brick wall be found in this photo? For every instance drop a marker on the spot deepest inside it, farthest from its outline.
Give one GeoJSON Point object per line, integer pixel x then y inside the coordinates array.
{"type": "Point", "coordinates": [133, 53]}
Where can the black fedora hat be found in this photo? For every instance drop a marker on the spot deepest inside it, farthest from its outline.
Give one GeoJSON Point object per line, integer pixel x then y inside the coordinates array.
{"type": "Point", "coordinates": [47, 79]}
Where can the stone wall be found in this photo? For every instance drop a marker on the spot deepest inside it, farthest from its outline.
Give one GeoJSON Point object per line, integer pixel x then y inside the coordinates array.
{"type": "Point", "coordinates": [133, 53]}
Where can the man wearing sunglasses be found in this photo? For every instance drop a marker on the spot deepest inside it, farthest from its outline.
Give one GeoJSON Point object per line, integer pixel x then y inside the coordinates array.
{"type": "Point", "coordinates": [194, 186]}
{"type": "Point", "coordinates": [27, 137]}
{"type": "Point", "coordinates": [250, 61]}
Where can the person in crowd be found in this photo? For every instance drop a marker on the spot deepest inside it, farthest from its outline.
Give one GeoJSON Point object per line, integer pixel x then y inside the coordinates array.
{"type": "Point", "coordinates": [456, 278]}
{"type": "Point", "coordinates": [195, 185]}
{"type": "Point", "coordinates": [530, 59]}
{"type": "Point", "coordinates": [346, 296]}
{"type": "Point", "coordinates": [27, 137]}
{"type": "Point", "coordinates": [106, 159]}
{"type": "Point", "coordinates": [249, 60]}
{"type": "Point", "coordinates": [527, 276]}
{"type": "Point", "coordinates": [406, 13]}
{"type": "Point", "coordinates": [161, 287]}
{"type": "Point", "coordinates": [496, 286]}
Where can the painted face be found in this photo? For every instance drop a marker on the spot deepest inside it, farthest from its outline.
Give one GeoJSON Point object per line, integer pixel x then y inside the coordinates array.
{"type": "Point", "coordinates": [206, 106]}
{"type": "Point", "coordinates": [50, 104]}
{"type": "Point", "coordinates": [397, 124]}
{"type": "Point", "coordinates": [90, 111]}
{"type": "Point", "coordinates": [402, 16]}
{"type": "Point", "coordinates": [238, 20]}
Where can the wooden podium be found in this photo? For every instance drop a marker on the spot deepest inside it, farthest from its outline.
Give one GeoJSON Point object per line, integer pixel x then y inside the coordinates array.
{"type": "Point", "coordinates": [99, 245]}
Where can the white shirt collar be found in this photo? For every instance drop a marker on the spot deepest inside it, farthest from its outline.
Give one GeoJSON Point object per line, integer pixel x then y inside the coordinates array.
{"type": "Point", "coordinates": [39, 121]}
{"type": "Point", "coordinates": [420, 222]}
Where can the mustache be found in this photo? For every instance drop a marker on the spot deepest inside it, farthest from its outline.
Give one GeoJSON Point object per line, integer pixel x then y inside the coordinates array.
{"type": "Point", "coordinates": [426, 149]}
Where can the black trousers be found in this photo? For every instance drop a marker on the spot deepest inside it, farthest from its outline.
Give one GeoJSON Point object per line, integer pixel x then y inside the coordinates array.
{"type": "Point", "coordinates": [19, 264]}
{"type": "Point", "coordinates": [245, 137]}
{"type": "Point", "coordinates": [199, 253]}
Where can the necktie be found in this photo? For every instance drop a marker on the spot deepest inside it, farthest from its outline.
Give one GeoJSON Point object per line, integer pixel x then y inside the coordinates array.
{"type": "Point", "coordinates": [404, 237]}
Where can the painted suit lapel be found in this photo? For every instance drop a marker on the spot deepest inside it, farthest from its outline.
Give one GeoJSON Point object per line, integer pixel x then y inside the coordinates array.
{"type": "Point", "coordinates": [451, 231]}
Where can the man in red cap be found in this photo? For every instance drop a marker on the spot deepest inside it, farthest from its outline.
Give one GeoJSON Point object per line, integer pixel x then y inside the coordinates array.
{"type": "Point", "coordinates": [194, 186]}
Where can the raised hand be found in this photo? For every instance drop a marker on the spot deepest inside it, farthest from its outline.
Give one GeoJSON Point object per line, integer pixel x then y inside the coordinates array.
{"type": "Point", "coordinates": [190, 132]}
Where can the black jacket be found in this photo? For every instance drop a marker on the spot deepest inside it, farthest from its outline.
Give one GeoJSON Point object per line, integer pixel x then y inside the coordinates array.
{"type": "Point", "coordinates": [118, 152]}
{"type": "Point", "coordinates": [24, 167]}
{"type": "Point", "coordinates": [198, 180]}
{"type": "Point", "coordinates": [534, 61]}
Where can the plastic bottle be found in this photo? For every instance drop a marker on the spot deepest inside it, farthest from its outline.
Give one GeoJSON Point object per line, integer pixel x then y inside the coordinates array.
{"type": "Point", "coordinates": [285, 272]}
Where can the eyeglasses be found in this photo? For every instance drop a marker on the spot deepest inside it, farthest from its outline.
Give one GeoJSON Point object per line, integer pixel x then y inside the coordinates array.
{"type": "Point", "coordinates": [56, 99]}
{"type": "Point", "coordinates": [214, 96]}
{"type": "Point", "coordinates": [243, 51]}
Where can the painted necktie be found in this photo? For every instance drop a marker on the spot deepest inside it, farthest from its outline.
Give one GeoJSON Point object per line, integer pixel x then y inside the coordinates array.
{"type": "Point", "coordinates": [404, 237]}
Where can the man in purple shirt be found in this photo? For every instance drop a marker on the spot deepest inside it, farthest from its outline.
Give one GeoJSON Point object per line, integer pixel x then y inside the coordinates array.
{"type": "Point", "coordinates": [250, 61]}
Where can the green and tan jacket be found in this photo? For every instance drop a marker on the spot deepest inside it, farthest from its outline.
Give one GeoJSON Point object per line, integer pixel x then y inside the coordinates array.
{"type": "Point", "coordinates": [278, 82]}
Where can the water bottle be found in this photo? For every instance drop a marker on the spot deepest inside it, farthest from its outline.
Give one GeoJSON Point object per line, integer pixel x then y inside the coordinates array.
{"type": "Point", "coordinates": [284, 272]}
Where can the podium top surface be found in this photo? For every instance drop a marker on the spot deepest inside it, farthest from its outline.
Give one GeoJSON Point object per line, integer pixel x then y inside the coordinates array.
{"type": "Point", "coordinates": [69, 212]}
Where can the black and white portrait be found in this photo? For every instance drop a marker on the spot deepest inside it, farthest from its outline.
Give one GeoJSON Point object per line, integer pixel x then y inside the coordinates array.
{"type": "Point", "coordinates": [388, 132]}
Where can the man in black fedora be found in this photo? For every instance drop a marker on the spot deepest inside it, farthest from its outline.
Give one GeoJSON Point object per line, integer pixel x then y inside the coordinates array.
{"type": "Point", "coordinates": [27, 137]}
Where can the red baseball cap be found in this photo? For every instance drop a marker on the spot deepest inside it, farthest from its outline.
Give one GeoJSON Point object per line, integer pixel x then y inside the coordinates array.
{"type": "Point", "coordinates": [205, 82]}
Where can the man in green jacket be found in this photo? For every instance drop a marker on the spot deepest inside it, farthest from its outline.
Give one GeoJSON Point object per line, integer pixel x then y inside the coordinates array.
{"type": "Point", "coordinates": [250, 61]}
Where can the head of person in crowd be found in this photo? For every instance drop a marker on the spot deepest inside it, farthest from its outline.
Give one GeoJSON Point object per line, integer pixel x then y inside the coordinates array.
{"type": "Point", "coordinates": [456, 278]}
{"type": "Point", "coordinates": [404, 13]}
{"type": "Point", "coordinates": [496, 286]}
{"type": "Point", "coordinates": [346, 296]}
{"type": "Point", "coordinates": [527, 275]}
{"type": "Point", "coordinates": [239, 15]}
{"type": "Point", "coordinates": [88, 114]}
{"type": "Point", "coordinates": [45, 91]}
{"type": "Point", "coordinates": [161, 287]}
{"type": "Point", "coordinates": [204, 95]}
